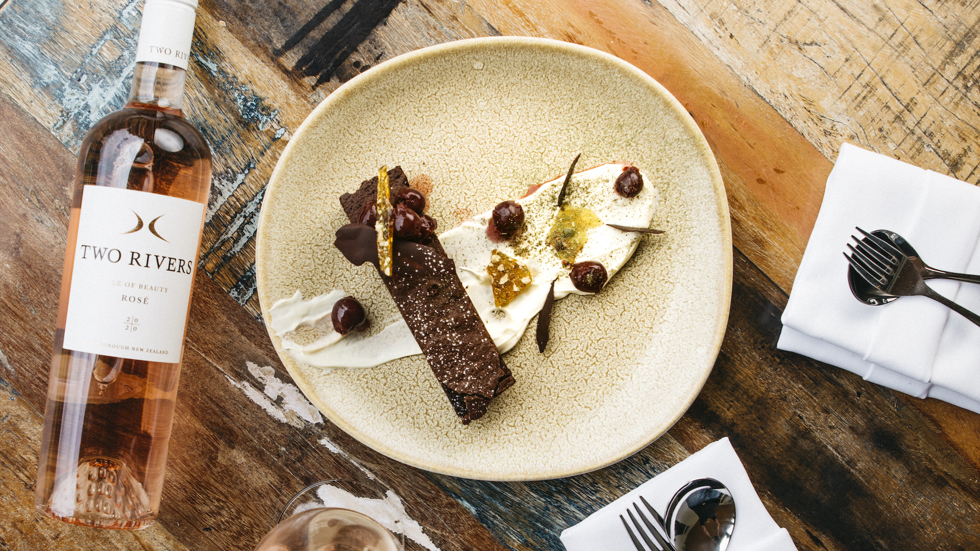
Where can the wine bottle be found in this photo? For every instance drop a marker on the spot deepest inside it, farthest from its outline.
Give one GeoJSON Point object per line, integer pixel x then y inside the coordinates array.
{"type": "Point", "coordinates": [137, 212]}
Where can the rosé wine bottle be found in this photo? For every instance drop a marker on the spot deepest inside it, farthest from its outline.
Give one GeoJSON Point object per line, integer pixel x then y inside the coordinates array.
{"type": "Point", "coordinates": [141, 186]}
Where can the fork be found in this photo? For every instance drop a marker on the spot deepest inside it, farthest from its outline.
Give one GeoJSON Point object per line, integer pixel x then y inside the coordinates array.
{"type": "Point", "coordinates": [892, 274]}
{"type": "Point", "coordinates": [661, 544]}
{"type": "Point", "coordinates": [901, 247]}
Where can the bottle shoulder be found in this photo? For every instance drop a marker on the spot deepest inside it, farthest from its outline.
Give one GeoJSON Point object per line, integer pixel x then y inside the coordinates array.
{"type": "Point", "coordinates": [166, 129]}
{"type": "Point", "coordinates": [145, 149]}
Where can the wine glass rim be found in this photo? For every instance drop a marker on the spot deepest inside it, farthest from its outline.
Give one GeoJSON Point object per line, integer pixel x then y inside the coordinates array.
{"type": "Point", "coordinates": [297, 495]}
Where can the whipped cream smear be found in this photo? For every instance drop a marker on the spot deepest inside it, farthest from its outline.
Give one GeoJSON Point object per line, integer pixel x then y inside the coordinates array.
{"type": "Point", "coordinates": [470, 249]}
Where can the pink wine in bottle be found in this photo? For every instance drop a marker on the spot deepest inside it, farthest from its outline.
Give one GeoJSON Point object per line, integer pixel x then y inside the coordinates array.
{"type": "Point", "coordinates": [142, 183]}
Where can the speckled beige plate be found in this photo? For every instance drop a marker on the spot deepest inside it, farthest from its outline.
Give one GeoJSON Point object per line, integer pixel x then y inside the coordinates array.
{"type": "Point", "coordinates": [475, 122]}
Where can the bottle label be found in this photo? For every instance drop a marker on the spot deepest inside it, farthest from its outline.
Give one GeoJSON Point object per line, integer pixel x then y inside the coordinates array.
{"type": "Point", "coordinates": [166, 32]}
{"type": "Point", "coordinates": [132, 274]}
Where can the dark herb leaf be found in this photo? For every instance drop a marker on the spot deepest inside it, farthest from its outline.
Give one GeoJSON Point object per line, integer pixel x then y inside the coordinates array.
{"type": "Point", "coordinates": [568, 177]}
{"type": "Point", "coordinates": [637, 230]}
{"type": "Point", "coordinates": [543, 331]}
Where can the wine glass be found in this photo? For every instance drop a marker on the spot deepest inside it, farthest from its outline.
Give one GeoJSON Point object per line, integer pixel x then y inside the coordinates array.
{"type": "Point", "coordinates": [323, 517]}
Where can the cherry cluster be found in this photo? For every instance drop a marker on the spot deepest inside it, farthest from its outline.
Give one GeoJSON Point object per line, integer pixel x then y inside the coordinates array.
{"type": "Point", "coordinates": [408, 217]}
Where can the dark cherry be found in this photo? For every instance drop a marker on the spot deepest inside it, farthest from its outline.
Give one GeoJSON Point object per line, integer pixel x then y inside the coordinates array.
{"type": "Point", "coordinates": [428, 227]}
{"type": "Point", "coordinates": [348, 315]}
{"type": "Point", "coordinates": [368, 214]}
{"type": "Point", "coordinates": [412, 198]}
{"type": "Point", "coordinates": [629, 183]}
{"type": "Point", "coordinates": [507, 219]}
{"type": "Point", "coordinates": [408, 223]}
{"type": "Point", "coordinates": [588, 276]}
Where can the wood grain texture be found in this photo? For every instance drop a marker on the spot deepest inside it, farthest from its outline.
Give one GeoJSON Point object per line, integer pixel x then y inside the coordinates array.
{"type": "Point", "coordinates": [899, 77]}
{"type": "Point", "coordinates": [822, 447]}
{"type": "Point", "coordinates": [36, 171]}
{"type": "Point", "coordinates": [855, 443]}
{"type": "Point", "coordinates": [37, 174]}
{"type": "Point", "coordinates": [239, 448]}
{"type": "Point", "coordinates": [775, 85]}
{"type": "Point", "coordinates": [773, 176]}
{"type": "Point", "coordinates": [23, 527]}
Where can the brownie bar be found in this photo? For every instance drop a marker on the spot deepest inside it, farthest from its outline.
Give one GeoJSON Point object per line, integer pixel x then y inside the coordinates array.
{"type": "Point", "coordinates": [435, 306]}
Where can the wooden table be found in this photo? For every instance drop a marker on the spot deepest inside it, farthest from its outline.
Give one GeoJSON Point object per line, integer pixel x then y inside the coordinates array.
{"type": "Point", "coordinates": [776, 86]}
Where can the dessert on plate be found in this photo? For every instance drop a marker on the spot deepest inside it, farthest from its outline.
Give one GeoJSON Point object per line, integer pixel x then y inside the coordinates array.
{"type": "Point", "coordinates": [468, 295]}
{"type": "Point", "coordinates": [423, 282]}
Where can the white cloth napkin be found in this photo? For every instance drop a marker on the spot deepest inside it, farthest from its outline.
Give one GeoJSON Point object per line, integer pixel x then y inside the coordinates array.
{"type": "Point", "coordinates": [754, 528]}
{"type": "Point", "coordinates": [914, 344]}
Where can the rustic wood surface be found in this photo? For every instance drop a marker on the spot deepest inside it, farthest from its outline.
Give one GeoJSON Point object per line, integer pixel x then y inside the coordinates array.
{"type": "Point", "coordinates": [775, 85]}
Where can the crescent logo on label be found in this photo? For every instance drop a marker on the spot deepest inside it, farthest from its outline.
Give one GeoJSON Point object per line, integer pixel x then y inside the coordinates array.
{"type": "Point", "coordinates": [153, 230]}
{"type": "Point", "coordinates": [151, 226]}
{"type": "Point", "coordinates": [139, 224]}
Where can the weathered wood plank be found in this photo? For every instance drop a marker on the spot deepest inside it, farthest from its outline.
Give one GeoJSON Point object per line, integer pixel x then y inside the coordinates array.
{"type": "Point", "coordinates": [827, 452]}
{"type": "Point", "coordinates": [23, 527]}
{"type": "Point", "coordinates": [853, 444]}
{"type": "Point", "coordinates": [251, 84]}
{"type": "Point", "coordinates": [774, 85]}
{"type": "Point", "coordinates": [244, 438]}
{"type": "Point", "coordinates": [898, 76]}
{"type": "Point", "coordinates": [773, 176]}
{"type": "Point", "coordinates": [36, 173]}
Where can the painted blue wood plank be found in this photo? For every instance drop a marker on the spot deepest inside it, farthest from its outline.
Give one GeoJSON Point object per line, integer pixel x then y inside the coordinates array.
{"type": "Point", "coordinates": [88, 78]}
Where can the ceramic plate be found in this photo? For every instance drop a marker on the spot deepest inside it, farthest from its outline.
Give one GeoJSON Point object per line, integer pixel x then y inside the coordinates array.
{"type": "Point", "coordinates": [474, 123]}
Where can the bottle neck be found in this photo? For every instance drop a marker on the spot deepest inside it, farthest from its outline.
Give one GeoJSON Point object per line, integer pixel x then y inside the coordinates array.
{"type": "Point", "coordinates": [158, 86]}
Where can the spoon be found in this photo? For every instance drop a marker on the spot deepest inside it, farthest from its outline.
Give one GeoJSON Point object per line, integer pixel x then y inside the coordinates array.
{"type": "Point", "coordinates": [865, 292]}
{"type": "Point", "coordinates": [701, 516]}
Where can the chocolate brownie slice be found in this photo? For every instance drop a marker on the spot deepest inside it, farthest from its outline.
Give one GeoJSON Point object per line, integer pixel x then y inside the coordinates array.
{"type": "Point", "coordinates": [435, 306]}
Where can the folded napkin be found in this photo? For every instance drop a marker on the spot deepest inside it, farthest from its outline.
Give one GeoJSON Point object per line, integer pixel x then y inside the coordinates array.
{"type": "Point", "coordinates": [914, 344]}
{"type": "Point", "coordinates": [754, 528]}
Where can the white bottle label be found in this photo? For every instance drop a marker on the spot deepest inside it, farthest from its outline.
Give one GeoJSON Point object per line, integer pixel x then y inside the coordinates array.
{"type": "Point", "coordinates": [166, 32]}
{"type": "Point", "coordinates": [132, 274]}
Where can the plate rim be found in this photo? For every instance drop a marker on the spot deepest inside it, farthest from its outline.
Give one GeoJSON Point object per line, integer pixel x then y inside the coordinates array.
{"type": "Point", "coordinates": [421, 54]}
